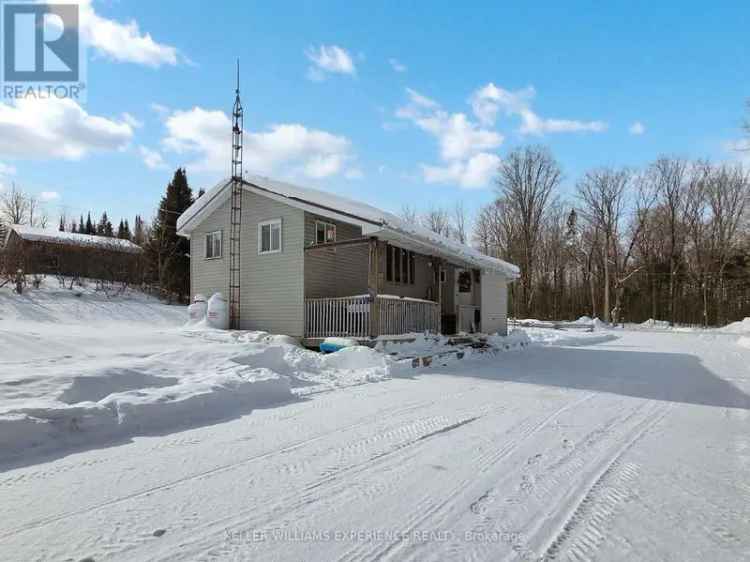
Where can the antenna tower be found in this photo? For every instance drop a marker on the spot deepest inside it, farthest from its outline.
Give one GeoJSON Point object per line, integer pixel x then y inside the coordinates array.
{"type": "Point", "coordinates": [235, 219]}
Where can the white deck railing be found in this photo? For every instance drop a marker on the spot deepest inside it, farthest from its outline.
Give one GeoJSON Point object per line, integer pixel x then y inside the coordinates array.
{"type": "Point", "coordinates": [353, 316]}
{"type": "Point", "coordinates": [404, 316]}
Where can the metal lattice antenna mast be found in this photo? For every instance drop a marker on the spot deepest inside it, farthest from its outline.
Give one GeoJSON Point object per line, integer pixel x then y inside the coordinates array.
{"type": "Point", "coordinates": [235, 221]}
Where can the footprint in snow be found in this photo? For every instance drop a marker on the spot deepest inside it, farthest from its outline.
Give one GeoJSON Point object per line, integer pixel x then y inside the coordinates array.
{"type": "Point", "coordinates": [535, 459]}
{"type": "Point", "coordinates": [159, 532]}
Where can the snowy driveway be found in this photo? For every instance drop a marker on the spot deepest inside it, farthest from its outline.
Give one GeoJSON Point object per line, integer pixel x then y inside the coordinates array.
{"type": "Point", "coordinates": [637, 448]}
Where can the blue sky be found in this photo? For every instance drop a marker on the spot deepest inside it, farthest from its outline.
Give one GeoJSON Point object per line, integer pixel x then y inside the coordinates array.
{"type": "Point", "coordinates": [394, 102]}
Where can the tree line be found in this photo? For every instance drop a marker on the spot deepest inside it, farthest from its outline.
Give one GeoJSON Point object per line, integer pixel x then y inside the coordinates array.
{"type": "Point", "coordinates": [104, 227]}
{"type": "Point", "coordinates": [669, 241]}
{"type": "Point", "coordinates": [166, 262]}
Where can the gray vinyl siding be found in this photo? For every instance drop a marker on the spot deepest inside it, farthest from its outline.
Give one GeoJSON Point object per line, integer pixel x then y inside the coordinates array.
{"type": "Point", "coordinates": [271, 285]}
{"type": "Point", "coordinates": [272, 294]}
{"type": "Point", "coordinates": [209, 276]}
{"type": "Point", "coordinates": [335, 272]}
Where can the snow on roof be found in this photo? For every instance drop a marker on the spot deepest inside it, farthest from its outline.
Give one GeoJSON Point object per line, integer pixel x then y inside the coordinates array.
{"type": "Point", "coordinates": [74, 239]}
{"type": "Point", "coordinates": [377, 222]}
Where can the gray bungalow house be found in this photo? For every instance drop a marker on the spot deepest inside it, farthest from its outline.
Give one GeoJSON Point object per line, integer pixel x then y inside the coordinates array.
{"type": "Point", "coordinates": [315, 265]}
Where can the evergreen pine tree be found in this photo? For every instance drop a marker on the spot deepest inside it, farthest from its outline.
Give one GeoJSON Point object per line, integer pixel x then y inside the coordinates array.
{"type": "Point", "coordinates": [166, 252]}
{"type": "Point", "coordinates": [139, 233]}
{"type": "Point", "coordinates": [62, 224]}
{"type": "Point", "coordinates": [102, 224]}
{"type": "Point", "coordinates": [123, 230]}
{"type": "Point", "coordinates": [81, 227]}
{"type": "Point", "coordinates": [90, 229]}
{"type": "Point", "coordinates": [73, 226]}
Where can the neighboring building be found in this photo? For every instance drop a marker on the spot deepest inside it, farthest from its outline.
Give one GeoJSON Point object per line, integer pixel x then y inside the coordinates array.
{"type": "Point", "coordinates": [36, 250]}
{"type": "Point", "coordinates": [314, 265]}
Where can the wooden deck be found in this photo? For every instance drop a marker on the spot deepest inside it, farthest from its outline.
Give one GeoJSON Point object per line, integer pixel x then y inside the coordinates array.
{"type": "Point", "coordinates": [365, 317]}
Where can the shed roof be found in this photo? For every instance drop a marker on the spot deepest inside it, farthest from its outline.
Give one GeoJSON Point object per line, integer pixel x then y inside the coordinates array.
{"type": "Point", "coordinates": [34, 234]}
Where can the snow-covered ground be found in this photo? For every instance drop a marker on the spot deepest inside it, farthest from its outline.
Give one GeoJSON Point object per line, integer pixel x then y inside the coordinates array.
{"type": "Point", "coordinates": [204, 445]}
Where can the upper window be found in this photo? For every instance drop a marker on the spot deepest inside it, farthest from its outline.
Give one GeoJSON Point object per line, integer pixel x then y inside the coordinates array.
{"type": "Point", "coordinates": [324, 232]}
{"type": "Point", "coordinates": [213, 245]}
{"type": "Point", "coordinates": [269, 237]}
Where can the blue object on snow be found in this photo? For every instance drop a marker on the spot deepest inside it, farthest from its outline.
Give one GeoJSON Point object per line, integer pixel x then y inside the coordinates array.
{"type": "Point", "coordinates": [327, 347]}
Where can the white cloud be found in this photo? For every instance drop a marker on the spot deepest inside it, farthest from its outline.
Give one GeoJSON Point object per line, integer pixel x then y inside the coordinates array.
{"type": "Point", "coordinates": [152, 158]}
{"type": "Point", "coordinates": [489, 100]}
{"type": "Point", "coordinates": [159, 109]}
{"type": "Point", "coordinates": [354, 174]}
{"type": "Point", "coordinates": [463, 143]}
{"type": "Point", "coordinates": [476, 172]}
{"type": "Point", "coordinates": [132, 121]}
{"type": "Point", "coordinates": [421, 101]}
{"type": "Point", "coordinates": [7, 170]}
{"type": "Point", "coordinates": [397, 65]}
{"type": "Point", "coordinates": [57, 128]}
{"type": "Point", "coordinates": [48, 196]}
{"type": "Point", "coordinates": [329, 59]}
{"type": "Point", "coordinates": [123, 42]}
{"type": "Point", "coordinates": [637, 128]}
{"type": "Point", "coordinates": [288, 149]}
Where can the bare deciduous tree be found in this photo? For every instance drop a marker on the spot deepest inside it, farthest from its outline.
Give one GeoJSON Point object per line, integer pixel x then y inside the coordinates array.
{"type": "Point", "coordinates": [458, 228]}
{"type": "Point", "coordinates": [527, 180]}
{"type": "Point", "coordinates": [437, 220]}
{"type": "Point", "coordinates": [14, 205]}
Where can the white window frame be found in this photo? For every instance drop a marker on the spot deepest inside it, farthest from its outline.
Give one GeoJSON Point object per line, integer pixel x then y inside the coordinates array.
{"type": "Point", "coordinates": [325, 226]}
{"type": "Point", "coordinates": [270, 223]}
{"type": "Point", "coordinates": [211, 235]}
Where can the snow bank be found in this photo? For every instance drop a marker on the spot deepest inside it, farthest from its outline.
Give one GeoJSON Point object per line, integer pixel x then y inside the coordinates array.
{"type": "Point", "coordinates": [85, 302]}
{"type": "Point", "coordinates": [546, 336]}
{"type": "Point", "coordinates": [655, 324]}
{"type": "Point", "coordinates": [739, 327]}
{"type": "Point", "coordinates": [83, 367]}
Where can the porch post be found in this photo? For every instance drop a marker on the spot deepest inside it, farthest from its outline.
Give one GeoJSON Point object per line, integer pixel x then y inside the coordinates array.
{"type": "Point", "coordinates": [439, 293]}
{"type": "Point", "coordinates": [373, 269]}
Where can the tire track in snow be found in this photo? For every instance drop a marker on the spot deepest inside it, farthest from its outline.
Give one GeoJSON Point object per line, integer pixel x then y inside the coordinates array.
{"type": "Point", "coordinates": [168, 485]}
{"type": "Point", "coordinates": [334, 482]}
{"type": "Point", "coordinates": [432, 424]}
{"type": "Point", "coordinates": [586, 526]}
{"type": "Point", "coordinates": [538, 482]}
{"type": "Point", "coordinates": [427, 508]}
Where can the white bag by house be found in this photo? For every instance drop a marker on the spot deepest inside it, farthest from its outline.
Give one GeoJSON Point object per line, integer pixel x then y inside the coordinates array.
{"type": "Point", "coordinates": [218, 313]}
{"type": "Point", "coordinates": [197, 310]}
